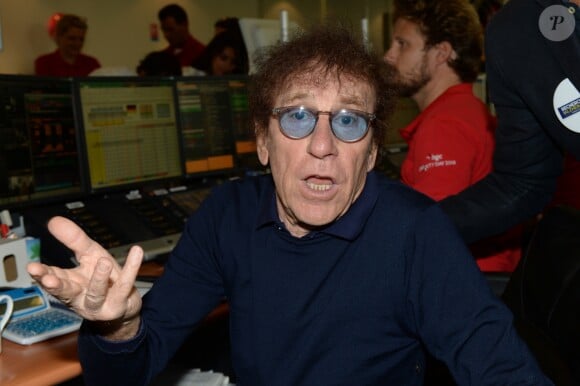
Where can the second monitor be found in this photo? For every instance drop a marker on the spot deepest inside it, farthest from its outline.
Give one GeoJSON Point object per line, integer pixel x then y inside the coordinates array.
{"type": "Point", "coordinates": [130, 131]}
{"type": "Point", "coordinates": [215, 128]}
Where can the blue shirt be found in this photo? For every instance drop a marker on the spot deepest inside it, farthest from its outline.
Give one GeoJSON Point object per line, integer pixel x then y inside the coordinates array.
{"type": "Point", "coordinates": [354, 303]}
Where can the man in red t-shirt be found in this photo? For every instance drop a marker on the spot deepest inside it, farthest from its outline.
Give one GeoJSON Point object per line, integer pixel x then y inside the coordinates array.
{"type": "Point", "coordinates": [67, 60]}
{"type": "Point", "coordinates": [175, 27]}
{"type": "Point", "coordinates": [436, 54]}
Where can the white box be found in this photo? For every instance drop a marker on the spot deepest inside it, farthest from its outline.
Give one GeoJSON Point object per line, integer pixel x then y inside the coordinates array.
{"type": "Point", "coordinates": [15, 254]}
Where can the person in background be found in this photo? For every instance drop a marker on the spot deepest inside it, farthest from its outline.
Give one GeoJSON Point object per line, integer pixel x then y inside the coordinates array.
{"type": "Point", "coordinates": [226, 24]}
{"type": "Point", "coordinates": [532, 65]}
{"type": "Point", "coordinates": [159, 63]}
{"type": "Point", "coordinates": [318, 292]}
{"type": "Point", "coordinates": [532, 55]}
{"type": "Point", "coordinates": [436, 52]}
{"type": "Point", "coordinates": [231, 25]}
{"type": "Point", "coordinates": [222, 56]}
{"type": "Point", "coordinates": [175, 26]}
{"type": "Point", "coordinates": [67, 60]}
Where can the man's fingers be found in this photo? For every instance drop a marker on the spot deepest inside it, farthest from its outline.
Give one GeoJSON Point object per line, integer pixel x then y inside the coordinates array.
{"type": "Point", "coordinates": [36, 270]}
{"type": "Point", "coordinates": [46, 276]}
{"type": "Point", "coordinates": [126, 280]}
{"type": "Point", "coordinates": [98, 286]}
{"type": "Point", "coordinates": [114, 290]}
{"type": "Point", "coordinates": [72, 236]}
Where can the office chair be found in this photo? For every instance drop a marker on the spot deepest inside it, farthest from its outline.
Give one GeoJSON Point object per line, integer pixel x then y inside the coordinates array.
{"type": "Point", "coordinates": [544, 294]}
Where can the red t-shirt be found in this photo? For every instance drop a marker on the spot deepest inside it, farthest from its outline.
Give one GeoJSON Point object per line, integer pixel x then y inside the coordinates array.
{"type": "Point", "coordinates": [190, 51]}
{"type": "Point", "coordinates": [451, 146]}
{"type": "Point", "coordinates": [54, 65]}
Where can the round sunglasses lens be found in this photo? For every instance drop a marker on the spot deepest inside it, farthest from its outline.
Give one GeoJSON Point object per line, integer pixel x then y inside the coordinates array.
{"type": "Point", "coordinates": [297, 122]}
{"type": "Point", "coordinates": [349, 126]}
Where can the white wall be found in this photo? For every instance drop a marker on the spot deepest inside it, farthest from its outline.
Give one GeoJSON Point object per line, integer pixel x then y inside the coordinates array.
{"type": "Point", "coordinates": [306, 12]}
{"type": "Point", "coordinates": [118, 32]}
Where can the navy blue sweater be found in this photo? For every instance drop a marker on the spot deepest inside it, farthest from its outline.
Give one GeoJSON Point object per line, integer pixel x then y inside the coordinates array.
{"type": "Point", "coordinates": [355, 303]}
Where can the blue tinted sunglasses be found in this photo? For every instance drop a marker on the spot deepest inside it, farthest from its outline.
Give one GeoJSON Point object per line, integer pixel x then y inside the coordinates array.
{"type": "Point", "coordinates": [298, 122]}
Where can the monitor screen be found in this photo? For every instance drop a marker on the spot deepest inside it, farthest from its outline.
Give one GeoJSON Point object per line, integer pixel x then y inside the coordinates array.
{"type": "Point", "coordinates": [39, 148]}
{"type": "Point", "coordinates": [214, 123]}
{"type": "Point", "coordinates": [130, 131]}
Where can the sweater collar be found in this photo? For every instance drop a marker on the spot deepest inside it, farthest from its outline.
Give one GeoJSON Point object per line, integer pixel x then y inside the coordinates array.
{"type": "Point", "coordinates": [348, 227]}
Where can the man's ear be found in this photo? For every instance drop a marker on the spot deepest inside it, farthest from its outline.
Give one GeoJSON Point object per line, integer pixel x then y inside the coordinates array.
{"type": "Point", "coordinates": [445, 52]}
{"type": "Point", "coordinates": [372, 156]}
{"type": "Point", "coordinates": [262, 149]}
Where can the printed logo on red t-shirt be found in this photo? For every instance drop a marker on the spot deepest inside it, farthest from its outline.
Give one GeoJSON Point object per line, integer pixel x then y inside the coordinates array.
{"type": "Point", "coordinates": [435, 161]}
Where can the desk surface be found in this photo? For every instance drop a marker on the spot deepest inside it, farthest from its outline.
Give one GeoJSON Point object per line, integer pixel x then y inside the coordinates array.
{"type": "Point", "coordinates": [56, 360]}
{"type": "Point", "coordinates": [44, 363]}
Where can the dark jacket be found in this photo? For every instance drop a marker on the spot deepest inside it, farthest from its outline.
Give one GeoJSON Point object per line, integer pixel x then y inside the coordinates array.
{"type": "Point", "coordinates": [524, 72]}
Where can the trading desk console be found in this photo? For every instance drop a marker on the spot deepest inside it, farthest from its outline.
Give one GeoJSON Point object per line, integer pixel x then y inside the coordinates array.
{"type": "Point", "coordinates": [154, 220]}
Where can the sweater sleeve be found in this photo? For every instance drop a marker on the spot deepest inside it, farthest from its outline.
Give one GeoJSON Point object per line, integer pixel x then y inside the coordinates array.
{"type": "Point", "coordinates": [190, 287]}
{"type": "Point", "coordinates": [457, 316]}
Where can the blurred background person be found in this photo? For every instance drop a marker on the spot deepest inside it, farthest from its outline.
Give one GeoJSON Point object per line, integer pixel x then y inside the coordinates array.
{"type": "Point", "coordinates": [226, 24]}
{"type": "Point", "coordinates": [223, 56]}
{"type": "Point", "coordinates": [231, 25]}
{"type": "Point", "coordinates": [175, 26]}
{"type": "Point", "coordinates": [67, 60]}
{"type": "Point", "coordinates": [159, 63]}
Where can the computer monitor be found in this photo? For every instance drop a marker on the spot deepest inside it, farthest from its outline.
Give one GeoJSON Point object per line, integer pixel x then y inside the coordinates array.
{"type": "Point", "coordinates": [130, 131]}
{"type": "Point", "coordinates": [39, 145]}
{"type": "Point", "coordinates": [214, 122]}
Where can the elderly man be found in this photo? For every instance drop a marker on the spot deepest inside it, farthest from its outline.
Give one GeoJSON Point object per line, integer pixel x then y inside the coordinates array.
{"type": "Point", "coordinates": [334, 275]}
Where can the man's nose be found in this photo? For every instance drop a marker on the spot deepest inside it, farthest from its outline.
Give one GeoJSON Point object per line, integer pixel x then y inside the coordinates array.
{"type": "Point", "coordinates": [322, 140]}
{"type": "Point", "coordinates": [389, 56]}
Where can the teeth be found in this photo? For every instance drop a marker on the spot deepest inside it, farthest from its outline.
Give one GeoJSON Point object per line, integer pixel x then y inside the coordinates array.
{"type": "Point", "coordinates": [318, 187]}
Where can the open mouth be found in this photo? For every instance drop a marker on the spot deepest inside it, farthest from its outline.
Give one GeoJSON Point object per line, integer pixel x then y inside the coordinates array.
{"type": "Point", "coordinates": [319, 184]}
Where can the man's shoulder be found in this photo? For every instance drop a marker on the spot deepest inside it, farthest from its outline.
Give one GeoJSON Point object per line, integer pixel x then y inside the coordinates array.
{"type": "Point", "coordinates": [516, 21]}
{"type": "Point", "coordinates": [396, 197]}
{"type": "Point", "coordinates": [194, 41]}
{"type": "Point", "coordinates": [401, 209]}
{"type": "Point", "coordinates": [459, 106]}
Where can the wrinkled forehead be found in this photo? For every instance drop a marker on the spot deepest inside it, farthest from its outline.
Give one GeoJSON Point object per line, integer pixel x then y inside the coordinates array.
{"type": "Point", "coordinates": [355, 89]}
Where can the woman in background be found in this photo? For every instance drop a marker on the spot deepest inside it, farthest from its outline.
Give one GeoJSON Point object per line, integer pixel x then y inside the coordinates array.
{"type": "Point", "coordinates": [224, 55]}
{"type": "Point", "coordinates": [67, 60]}
{"type": "Point", "coordinates": [159, 63]}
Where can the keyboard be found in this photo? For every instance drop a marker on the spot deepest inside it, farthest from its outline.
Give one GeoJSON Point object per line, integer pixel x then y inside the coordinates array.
{"type": "Point", "coordinates": [119, 223]}
{"type": "Point", "coordinates": [36, 318]}
{"type": "Point", "coordinates": [188, 200]}
{"type": "Point", "coordinates": [42, 326]}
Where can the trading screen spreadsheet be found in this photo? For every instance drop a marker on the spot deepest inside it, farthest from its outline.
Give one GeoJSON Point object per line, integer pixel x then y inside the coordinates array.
{"type": "Point", "coordinates": [215, 125]}
{"type": "Point", "coordinates": [130, 131]}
